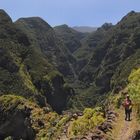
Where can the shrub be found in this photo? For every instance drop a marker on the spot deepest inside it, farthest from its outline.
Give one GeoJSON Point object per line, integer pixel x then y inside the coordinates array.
{"type": "Point", "coordinates": [134, 88]}
{"type": "Point", "coordinates": [90, 119]}
{"type": "Point", "coordinates": [50, 76]}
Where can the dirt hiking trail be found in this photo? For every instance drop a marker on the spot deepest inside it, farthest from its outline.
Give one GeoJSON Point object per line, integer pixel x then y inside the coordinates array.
{"type": "Point", "coordinates": [124, 130]}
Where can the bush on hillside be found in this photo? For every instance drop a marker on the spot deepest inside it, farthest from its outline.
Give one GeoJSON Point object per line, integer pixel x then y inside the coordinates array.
{"type": "Point", "coordinates": [90, 119]}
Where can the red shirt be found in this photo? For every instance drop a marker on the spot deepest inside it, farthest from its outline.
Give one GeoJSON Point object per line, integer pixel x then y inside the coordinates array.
{"type": "Point", "coordinates": [127, 103]}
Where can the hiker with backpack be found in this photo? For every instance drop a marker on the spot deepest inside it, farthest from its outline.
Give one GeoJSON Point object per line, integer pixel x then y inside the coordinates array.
{"type": "Point", "coordinates": [128, 107]}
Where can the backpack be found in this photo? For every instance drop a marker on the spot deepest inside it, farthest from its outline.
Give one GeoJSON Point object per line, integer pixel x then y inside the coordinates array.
{"type": "Point", "coordinates": [128, 104]}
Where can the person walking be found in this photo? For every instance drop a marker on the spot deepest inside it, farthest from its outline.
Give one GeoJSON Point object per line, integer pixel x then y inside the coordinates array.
{"type": "Point", "coordinates": [128, 107]}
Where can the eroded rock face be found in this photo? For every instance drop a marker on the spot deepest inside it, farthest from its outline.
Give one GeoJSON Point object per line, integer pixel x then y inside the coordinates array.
{"type": "Point", "coordinates": [56, 92]}
{"type": "Point", "coordinates": [22, 119]}
{"type": "Point", "coordinates": [100, 132]}
{"type": "Point", "coordinates": [16, 123]}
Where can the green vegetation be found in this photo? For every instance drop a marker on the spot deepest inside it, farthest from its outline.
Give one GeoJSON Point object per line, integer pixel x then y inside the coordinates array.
{"type": "Point", "coordinates": [26, 78]}
{"type": "Point", "coordinates": [45, 41]}
{"type": "Point", "coordinates": [27, 55]}
{"type": "Point", "coordinates": [52, 75]}
{"type": "Point", "coordinates": [113, 59]}
{"type": "Point", "coordinates": [85, 123]}
{"type": "Point", "coordinates": [90, 42]}
{"type": "Point", "coordinates": [70, 37]}
{"type": "Point", "coordinates": [56, 90]}
{"type": "Point", "coordinates": [134, 88]}
{"type": "Point", "coordinates": [43, 70]}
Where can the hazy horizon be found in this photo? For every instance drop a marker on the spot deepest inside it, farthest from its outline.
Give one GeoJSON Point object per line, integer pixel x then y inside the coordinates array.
{"type": "Point", "coordinates": [92, 13]}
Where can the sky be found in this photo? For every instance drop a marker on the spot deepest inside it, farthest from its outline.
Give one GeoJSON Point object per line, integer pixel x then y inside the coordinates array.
{"type": "Point", "coordinates": [71, 12]}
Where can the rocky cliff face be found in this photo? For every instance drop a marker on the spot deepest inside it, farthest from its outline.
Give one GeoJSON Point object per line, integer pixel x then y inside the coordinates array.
{"type": "Point", "coordinates": [15, 118]}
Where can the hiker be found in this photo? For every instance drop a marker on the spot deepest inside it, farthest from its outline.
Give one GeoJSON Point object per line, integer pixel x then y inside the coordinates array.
{"type": "Point", "coordinates": [128, 107]}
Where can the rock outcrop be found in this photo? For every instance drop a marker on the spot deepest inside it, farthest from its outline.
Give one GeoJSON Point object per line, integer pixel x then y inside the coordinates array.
{"type": "Point", "coordinates": [100, 133]}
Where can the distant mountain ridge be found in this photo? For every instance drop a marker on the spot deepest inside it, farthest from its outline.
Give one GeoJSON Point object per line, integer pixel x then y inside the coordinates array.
{"type": "Point", "coordinates": [70, 37]}
{"type": "Point", "coordinates": [85, 29]}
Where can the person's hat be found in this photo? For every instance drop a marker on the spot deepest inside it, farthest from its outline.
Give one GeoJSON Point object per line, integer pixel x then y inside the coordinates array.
{"type": "Point", "coordinates": [127, 95]}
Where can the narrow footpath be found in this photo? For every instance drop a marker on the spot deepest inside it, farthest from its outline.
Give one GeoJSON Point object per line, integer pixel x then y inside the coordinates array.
{"type": "Point", "coordinates": [124, 130]}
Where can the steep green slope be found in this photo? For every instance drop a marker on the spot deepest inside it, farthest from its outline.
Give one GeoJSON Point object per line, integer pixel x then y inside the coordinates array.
{"type": "Point", "coordinates": [133, 88]}
{"type": "Point", "coordinates": [113, 52]}
{"type": "Point", "coordinates": [113, 59]}
{"type": "Point", "coordinates": [72, 42]}
{"type": "Point", "coordinates": [89, 44]}
{"type": "Point", "coordinates": [24, 65]}
{"type": "Point", "coordinates": [81, 45]}
{"type": "Point", "coordinates": [13, 51]}
{"type": "Point", "coordinates": [91, 40]}
{"type": "Point", "coordinates": [43, 38]}
{"type": "Point", "coordinates": [70, 37]}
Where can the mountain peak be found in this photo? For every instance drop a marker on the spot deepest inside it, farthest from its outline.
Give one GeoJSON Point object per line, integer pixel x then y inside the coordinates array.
{"type": "Point", "coordinates": [34, 22]}
{"type": "Point", "coordinates": [4, 17]}
{"type": "Point", "coordinates": [132, 13]}
{"type": "Point", "coordinates": [63, 26]}
{"type": "Point", "coordinates": [106, 26]}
